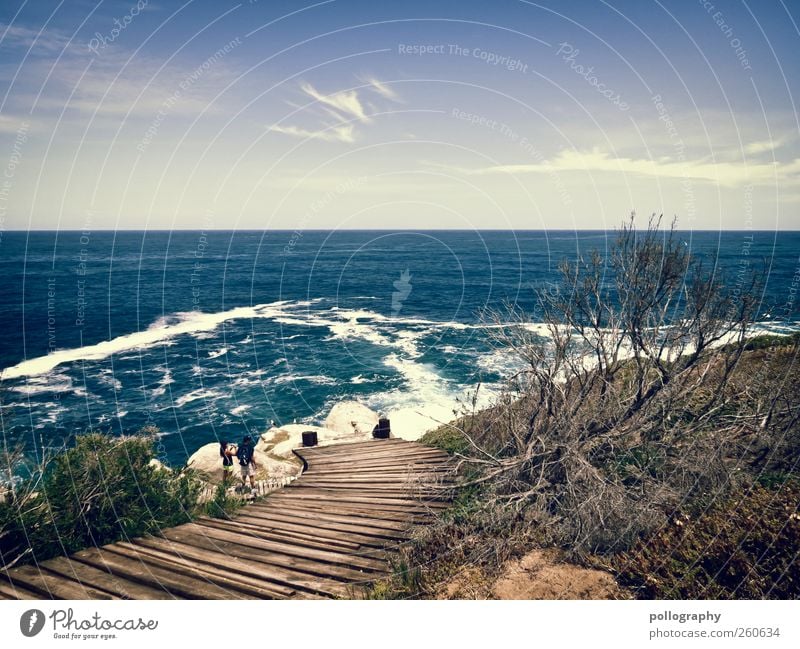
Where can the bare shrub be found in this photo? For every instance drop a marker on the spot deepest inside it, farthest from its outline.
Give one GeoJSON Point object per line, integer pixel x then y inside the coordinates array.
{"type": "Point", "coordinates": [626, 373]}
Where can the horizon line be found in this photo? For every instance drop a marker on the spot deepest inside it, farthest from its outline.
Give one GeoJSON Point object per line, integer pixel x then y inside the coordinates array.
{"type": "Point", "coordinates": [17, 231]}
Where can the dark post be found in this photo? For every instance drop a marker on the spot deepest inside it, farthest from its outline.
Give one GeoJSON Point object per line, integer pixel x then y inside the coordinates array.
{"type": "Point", "coordinates": [383, 430]}
{"type": "Point", "coordinates": [310, 438]}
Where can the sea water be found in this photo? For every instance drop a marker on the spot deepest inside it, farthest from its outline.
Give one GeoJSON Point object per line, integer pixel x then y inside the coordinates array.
{"type": "Point", "coordinates": [210, 335]}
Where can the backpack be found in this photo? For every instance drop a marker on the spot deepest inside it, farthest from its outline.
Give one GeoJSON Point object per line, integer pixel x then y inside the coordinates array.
{"type": "Point", "coordinates": [245, 454]}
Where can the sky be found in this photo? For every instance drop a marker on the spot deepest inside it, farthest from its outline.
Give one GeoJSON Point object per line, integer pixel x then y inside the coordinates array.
{"type": "Point", "coordinates": [340, 114]}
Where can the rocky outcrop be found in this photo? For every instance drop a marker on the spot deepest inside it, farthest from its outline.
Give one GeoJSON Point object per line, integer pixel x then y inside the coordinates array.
{"type": "Point", "coordinates": [207, 461]}
{"type": "Point", "coordinates": [351, 418]}
{"type": "Point", "coordinates": [348, 421]}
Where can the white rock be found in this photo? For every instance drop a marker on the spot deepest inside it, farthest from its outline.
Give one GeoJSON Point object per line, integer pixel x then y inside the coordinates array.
{"type": "Point", "coordinates": [158, 465]}
{"type": "Point", "coordinates": [280, 441]}
{"type": "Point", "coordinates": [352, 418]}
{"type": "Point", "coordinates": [207, 461]}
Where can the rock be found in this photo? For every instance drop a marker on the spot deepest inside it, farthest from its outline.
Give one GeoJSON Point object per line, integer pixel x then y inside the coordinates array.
{"type": "Point", "coordinates": [207, 461]}
{"type": "Point", "coordinates": [352, 418]}
{"type": "Point", "coordinates": [158, 465]}
{"type": "Point", "coordinates": [279, 442]}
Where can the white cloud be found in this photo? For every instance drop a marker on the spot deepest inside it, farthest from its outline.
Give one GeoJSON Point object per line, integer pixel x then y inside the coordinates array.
{"type": "Point", "coordinates": [724, 173]}
{"type": "Point", "coordinates": [333, 134]}
{"type": "Point", "coordinates": [382, 89]}
{"type": "Point", "coordinates": [345, 101]}
{"type": "Point", "coordinates": [764, 146]}
{"type": "Point", "coordinates": [17, 36]}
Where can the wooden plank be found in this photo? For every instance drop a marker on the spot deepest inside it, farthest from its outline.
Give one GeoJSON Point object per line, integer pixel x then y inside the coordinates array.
{"type": "Point", "coordinates": [289, 579]}
{"type": "Point", "coordinates": [255, 585]}
{"type": "Point", "coordinates": [98, 578]}
{"type": "Point", "coordinates": [237, 550]}
{"type": "Point", "coordinates": [338, 496]}
{"type": "Point", "coordinates": [301, 498]}
{"type": "Point", "coordinates": [350, 446]}
{"type": "Point", "coordinates": [188, 587]}
{"type": "Point", "coordinates": [398, 459]}
{"type": "Point", "coordinates": [398, 455]}
{"type": "Point", "coordinates": [361, 447]}
{"type": "Point", "coordinates": [404, 517]}
{"type": "Point", "coordinates": [12, 591]}
{"type": "Point", "coordinates": [245, 537]}
{"type": "Point", "coordinates": [378, 465]}
{"type": "Point", "coordinates": [378, 524]}
{"type": "Point", "coordinates": [377, 488]}
{"type": "Point", "coordinates": [380, 476]}
{"type": "Point", "coordinates": [362, 535]}
{"type": "Point", "coordinates": [303, 536]}
{"type": "Point", "coordinates": [252, 527]}
{"type": "Point", "coordinates": [55, 586]}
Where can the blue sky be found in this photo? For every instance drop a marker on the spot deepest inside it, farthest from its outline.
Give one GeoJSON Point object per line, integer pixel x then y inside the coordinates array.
{"type": "Point", "coordinates": [435, 114]}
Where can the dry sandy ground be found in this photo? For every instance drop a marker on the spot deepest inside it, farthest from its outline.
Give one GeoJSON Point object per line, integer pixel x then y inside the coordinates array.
{"type": "Point", "coordinates": [540, 574]}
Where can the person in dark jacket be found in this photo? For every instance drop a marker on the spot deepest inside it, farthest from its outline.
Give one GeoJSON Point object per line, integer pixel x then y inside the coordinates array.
{"type": "Point", "coordinates": [247, 462]}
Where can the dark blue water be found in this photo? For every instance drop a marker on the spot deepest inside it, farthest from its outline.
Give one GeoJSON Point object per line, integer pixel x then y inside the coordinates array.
{"type": "Point", "coordinates": [209, 334]}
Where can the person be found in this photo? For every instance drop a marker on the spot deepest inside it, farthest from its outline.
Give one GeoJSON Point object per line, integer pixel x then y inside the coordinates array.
{"type": "Point", "coordinates": [247, 462]}
{"type": "Point", "coordinates": [226, 452]}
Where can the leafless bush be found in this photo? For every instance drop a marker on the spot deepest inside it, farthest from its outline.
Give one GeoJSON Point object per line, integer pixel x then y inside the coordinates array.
{"type": "Point", "coordinates": [626, 374]}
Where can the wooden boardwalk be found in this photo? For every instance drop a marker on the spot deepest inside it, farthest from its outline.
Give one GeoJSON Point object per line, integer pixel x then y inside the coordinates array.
{"type": "Point", "coordinates": [328, 534]}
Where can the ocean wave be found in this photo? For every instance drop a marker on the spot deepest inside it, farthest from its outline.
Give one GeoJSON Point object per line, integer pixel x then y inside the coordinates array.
{"type": "Point", "coordinates": [238, 410]}
{"type": "Point", "coordinates": [159, 332]}
{"type": "Point", "coordinates": [317, 379]}
{"type": "Point", "coordinates": [219, 352]}
{"type": "Point", "coordinates": [194, 395]}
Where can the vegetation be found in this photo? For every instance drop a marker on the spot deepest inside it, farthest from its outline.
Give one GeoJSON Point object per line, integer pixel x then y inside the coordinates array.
{"type": "Point", "coordinates": [102, 490]}
{"type": "Point", "coordinates": [223, 504]}
{"type": "Point", "coordinates": [745, 548]}
{"type": "Point", "coordinates": [645, 432]}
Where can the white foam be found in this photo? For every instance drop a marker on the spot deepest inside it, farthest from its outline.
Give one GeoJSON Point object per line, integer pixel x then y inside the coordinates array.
{"type": "Point", "coordinates": [238, 410]}
{"type": "Point", "coordinates": [194, 395]}
{"type": "Point", "coordinates": [160, 331]}
{"type": "Point", "coordinates": [217, 353]}
{"type": "Point", "coordinates": [315, 378]}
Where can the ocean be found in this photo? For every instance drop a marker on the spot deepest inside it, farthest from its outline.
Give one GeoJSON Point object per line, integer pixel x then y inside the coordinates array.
{"type": "Point", "coordinates": [209, 335]}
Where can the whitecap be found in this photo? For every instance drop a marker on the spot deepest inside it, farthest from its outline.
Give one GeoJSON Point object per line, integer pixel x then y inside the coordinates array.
{"type": "Point", "coordinates": [159, 332]}
{"type": "Point", "coordinates": [238, 410]}
{"type": "Point", "coordinates": [318, 379]}
{"type": "Point", "coordinates": [194, 395]}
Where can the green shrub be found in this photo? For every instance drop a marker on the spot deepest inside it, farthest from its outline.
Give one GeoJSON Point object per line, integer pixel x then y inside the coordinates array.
{"type": "Point", "coordinates": [102, 490]}
{"type": "Point", "coordinates": [772, 341]}
{"type": "Point", "coordinates": [223, 504]}
{"type": "Point", "coordinates": [446, 438]}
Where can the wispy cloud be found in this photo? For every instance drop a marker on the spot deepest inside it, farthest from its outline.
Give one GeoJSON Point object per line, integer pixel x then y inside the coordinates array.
{"type": "Point", "coordinates": [18, 36]}
{"type": "Point", "coordinates": [345, 101]}
{"type": "Point", "coordinates": [332, 134]}
{"type": "Point", "coordinates": [764, 146]}
{"type": "Point", "coordinates": [344, 106]}
{"type": "Point", "coordinates": [724, 173]}
{"type": "Point", "coordinates": [382, 89]}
